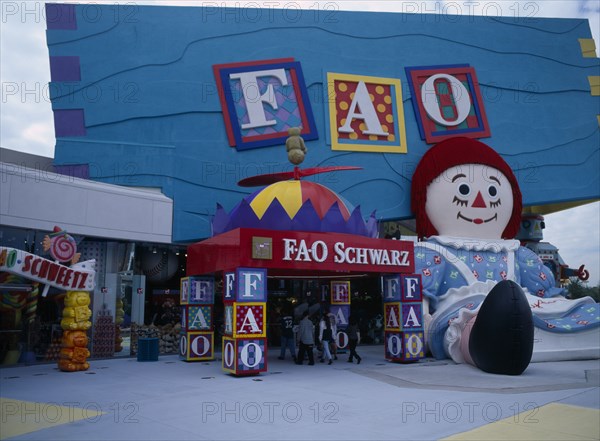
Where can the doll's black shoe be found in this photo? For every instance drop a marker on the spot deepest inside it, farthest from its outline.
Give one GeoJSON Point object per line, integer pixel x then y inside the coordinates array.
{"type": "Point", "coordinates": [501, 340]}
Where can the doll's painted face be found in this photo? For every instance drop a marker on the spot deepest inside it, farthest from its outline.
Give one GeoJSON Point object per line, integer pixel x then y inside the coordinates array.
{"type": "Point", "coordinates": [470, 200]}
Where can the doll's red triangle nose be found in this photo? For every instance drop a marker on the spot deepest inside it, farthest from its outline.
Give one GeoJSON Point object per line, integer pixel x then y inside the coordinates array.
{"type": "Point", "coordinates": [479, 202]}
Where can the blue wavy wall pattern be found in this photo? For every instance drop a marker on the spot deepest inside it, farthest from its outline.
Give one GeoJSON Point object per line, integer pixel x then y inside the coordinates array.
{"type": "Point", "coordinates": [153, 118]}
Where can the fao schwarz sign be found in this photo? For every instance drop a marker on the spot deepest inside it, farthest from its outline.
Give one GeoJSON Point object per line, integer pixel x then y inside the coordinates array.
{"type": "Point", "coordinates": [262, 100]}
{"type": "Point", "coordinates": [333, 252]}
{"type": "Point", "coordinates": [318, 251]}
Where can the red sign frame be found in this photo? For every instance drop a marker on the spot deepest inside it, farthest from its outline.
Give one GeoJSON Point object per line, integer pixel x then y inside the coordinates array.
{"type": "Point", "coordinates": [300, 253]}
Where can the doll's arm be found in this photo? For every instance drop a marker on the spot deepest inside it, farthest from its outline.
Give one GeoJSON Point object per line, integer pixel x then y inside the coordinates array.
{"type": "Point", "coordinates": [535, 276]}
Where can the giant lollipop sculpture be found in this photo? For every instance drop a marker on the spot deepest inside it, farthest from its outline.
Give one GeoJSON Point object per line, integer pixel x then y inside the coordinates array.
{"type": "Point", "coordinates": [62, 246]}
{"type": "Point", "coordinates": [76, 313]}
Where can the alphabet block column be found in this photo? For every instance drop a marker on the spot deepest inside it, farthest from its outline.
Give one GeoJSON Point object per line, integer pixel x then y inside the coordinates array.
{"type": "Point", "coordinates": [245, 342]}
{"type": "Point", "coordinates": [340, 308]}
{"type": "Point", "coordinates": [196, 341]}
{"type": "Point", "coordinates": [403, 316]}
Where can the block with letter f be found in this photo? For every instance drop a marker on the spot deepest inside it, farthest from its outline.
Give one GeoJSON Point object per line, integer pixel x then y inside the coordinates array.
{"type": "Point", "coordinates": [411, 288]}
{"type": "Point", "coordinates": [392, 288]}
{"type": "Point", "coordinates": [251, 285]}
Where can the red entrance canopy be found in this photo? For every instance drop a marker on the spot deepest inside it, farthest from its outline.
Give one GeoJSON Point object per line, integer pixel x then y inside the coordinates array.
{"type": "Point", "coordinates": [298, 253]}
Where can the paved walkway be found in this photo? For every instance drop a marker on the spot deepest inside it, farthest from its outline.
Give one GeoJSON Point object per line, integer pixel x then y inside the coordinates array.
{"type": "Point", "coordinates": [173, 400]}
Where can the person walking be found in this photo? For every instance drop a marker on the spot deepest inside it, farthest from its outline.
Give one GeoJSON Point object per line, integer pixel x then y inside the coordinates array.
{"type": "Point", "coordinates": [353, 339]}
{"type": "Point", "coordinates": [333, 345]}
{"type": "Point", "coordinates": [328, 316]}
{"type": "Point", "coordinates": [326, 337]}
{"type": "Point", "coordinates": [288, 340]}
{"type": "Point", "coordinates": [319, 342]}
{"type": "Point", "coordinates": [306, 336]}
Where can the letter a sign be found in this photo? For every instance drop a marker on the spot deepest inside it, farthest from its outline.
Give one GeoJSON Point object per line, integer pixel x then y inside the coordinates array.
{"type": "Point", "coordinates": [249, 320]}
{"type": "Point", "coordinates": [365, 113]}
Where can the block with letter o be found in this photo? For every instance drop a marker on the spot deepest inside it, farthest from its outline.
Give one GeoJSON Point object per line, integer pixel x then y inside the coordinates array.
{"type": "Point", "coordinates": [414, 346]}
{"type": "Point", "coordinates": [229, 357]}
{"type": "Point", "coordinates": [404, 346]}
{"type": "Point", "coordinates": [196, 346]}
{"type": "Point", "coordinates": [244, 356]}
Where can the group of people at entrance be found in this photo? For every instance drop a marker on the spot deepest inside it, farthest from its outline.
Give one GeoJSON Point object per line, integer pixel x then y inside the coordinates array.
{"type": "Point", "coordinates": [326, 342]}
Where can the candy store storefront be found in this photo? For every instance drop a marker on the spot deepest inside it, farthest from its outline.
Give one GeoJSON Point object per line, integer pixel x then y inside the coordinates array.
{"type": "Point", "coordinates": [53, 223]}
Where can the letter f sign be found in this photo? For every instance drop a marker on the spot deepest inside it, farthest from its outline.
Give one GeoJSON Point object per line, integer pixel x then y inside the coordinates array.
{"type": "Point", "coordinates": [253, 98]}
{"type": "Point", "coordinates": [251, 285]}
{"type": "Point", "coordinates": [391, 287]}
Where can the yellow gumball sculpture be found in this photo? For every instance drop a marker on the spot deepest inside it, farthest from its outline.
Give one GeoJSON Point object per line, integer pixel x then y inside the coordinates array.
{"type": "Point", "coordinates": [76, 314]}
{"type": "Point", "coordinates": [74, 352]}
{"type": "Point", "coordinates": [75, 323]}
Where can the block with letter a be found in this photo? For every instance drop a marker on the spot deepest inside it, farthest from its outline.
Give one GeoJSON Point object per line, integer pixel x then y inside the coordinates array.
{"type": "Point", "coordinates": [196, 318]}
{"type": "Point", "coordinates": [249, 319]}
{"type": "Point", "coordinates": [403, 315]}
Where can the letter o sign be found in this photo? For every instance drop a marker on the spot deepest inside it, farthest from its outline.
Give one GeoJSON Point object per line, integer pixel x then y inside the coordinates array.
{"type": "Point", "coordinates": [228, 354]}
{"type": "Point", "coordinates": [183, 345]}
{"type": "Point", "coordinates": [204, 346]}
{"type": "Point", "coordinates": [414, 345]}
{"type": "Point", "coordinates": [460, 95]}
{"type": "Point", "coordinates": [319, 251]}
{"type": "Point", "coordinates": [394, 345]}
{"type": "Point", "coordinates": [245, 356]}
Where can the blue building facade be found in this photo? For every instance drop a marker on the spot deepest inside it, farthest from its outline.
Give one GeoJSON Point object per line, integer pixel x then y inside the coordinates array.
{"type": "Point", "coordinates": [192, 100]}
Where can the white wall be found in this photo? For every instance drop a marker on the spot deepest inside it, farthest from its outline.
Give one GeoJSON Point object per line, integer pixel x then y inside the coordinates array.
{"type": "Point", "coordinates": [40, 199]}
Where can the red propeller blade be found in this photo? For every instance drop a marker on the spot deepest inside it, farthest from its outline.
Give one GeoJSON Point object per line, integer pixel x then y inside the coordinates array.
{"type": "Point", "coordinates": [271, 178]}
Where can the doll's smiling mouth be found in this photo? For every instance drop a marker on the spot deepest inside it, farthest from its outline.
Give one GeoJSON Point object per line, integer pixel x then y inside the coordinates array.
{"type": "Point", "coordinates": [477, 221]}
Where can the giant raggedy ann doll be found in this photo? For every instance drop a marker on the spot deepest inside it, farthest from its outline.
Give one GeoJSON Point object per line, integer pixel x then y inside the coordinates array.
{"type": "Point", "coordinates": [485, 295]}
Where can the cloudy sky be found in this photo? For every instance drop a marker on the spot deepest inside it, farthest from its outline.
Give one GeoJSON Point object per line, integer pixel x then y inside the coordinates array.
{"type": "Point", "coordinates": [26, 117]}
